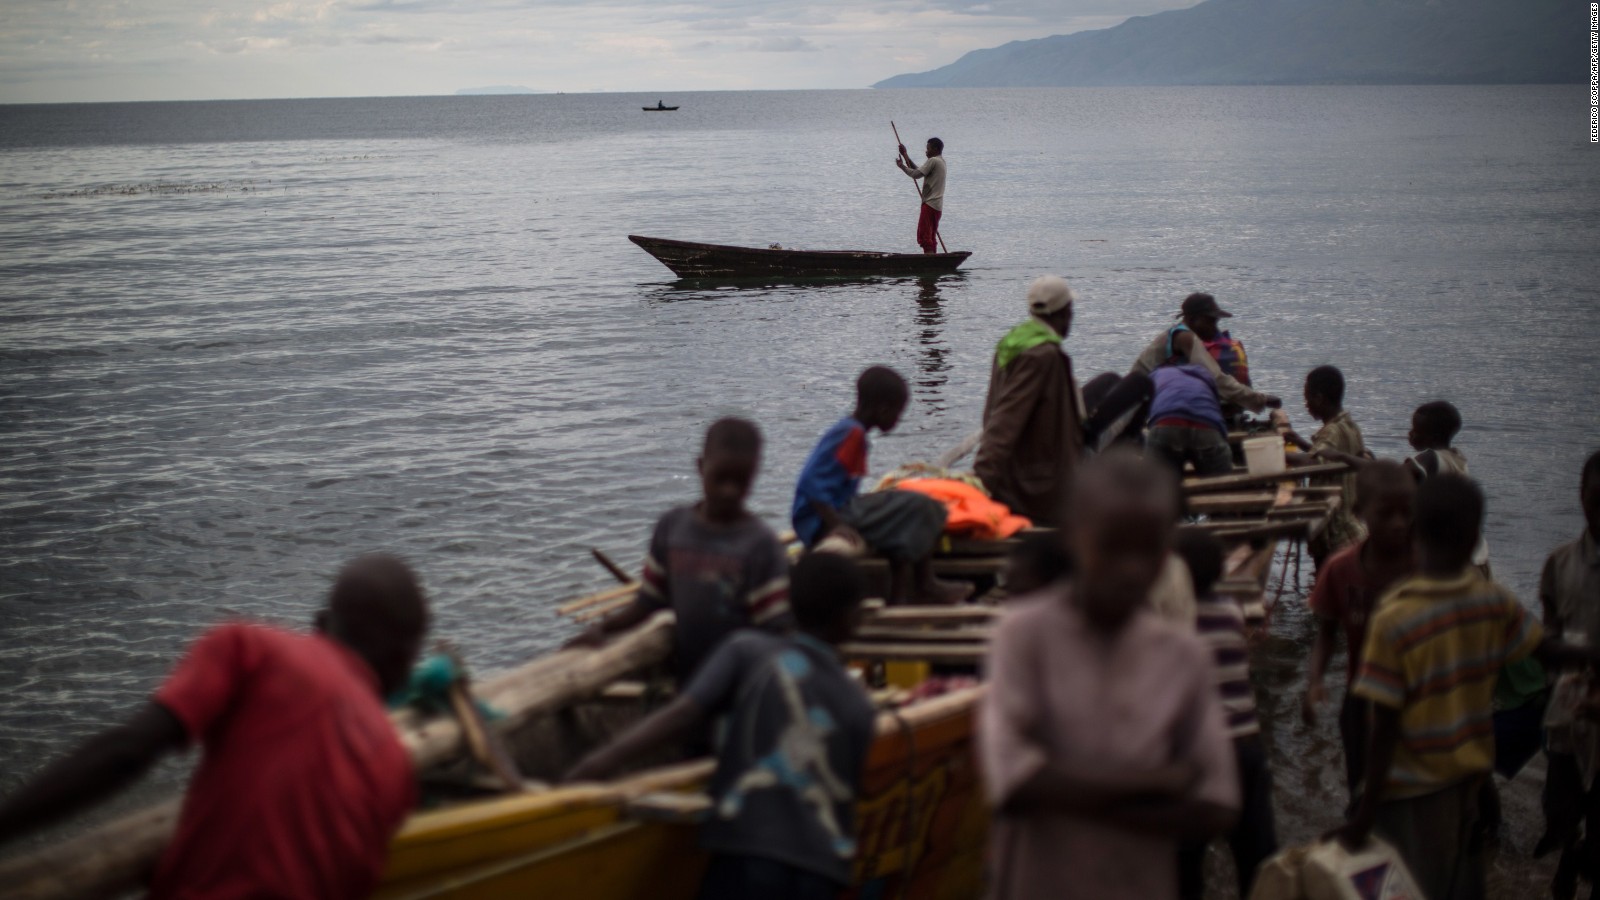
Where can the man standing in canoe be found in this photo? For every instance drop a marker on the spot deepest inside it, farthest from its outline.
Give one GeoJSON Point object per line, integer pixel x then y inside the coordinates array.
{"type": "Point", "coordinates": [931, 173]}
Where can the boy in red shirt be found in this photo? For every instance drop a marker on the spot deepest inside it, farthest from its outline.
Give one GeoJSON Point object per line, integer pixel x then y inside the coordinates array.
{"type": "Point", "coordinates": [303, 781]}
{"type": "Point", "coordinates": [1347, 588]}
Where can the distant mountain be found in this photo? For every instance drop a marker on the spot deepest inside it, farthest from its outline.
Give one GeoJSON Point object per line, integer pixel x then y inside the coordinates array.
{"type": "Point", "coordinates": [1297, 42]}
{"type": "Point", "coordinates": [497, 89]}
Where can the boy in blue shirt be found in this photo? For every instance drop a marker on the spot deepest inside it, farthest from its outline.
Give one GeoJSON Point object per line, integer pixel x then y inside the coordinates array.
{"type": "Point", "coordinates": [901, 525]}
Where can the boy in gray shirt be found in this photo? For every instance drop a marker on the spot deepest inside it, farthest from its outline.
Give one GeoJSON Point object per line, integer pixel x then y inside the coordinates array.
{"type": "Point", "coordinates": [713, 563]}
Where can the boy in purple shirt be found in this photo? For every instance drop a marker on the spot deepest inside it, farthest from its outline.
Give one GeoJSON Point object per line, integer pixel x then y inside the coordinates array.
{"type": "Point", "coordinates": [1102, 741]}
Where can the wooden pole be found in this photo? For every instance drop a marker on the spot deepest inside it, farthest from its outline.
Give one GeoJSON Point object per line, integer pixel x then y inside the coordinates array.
{"type": "Point", "coordinates": [903, 155]}
{"type": "Point", "coordinates": [573, 606]}
{"type": "Point", "coordinates": [959, 451]}
{"type": "Point", "coordinates": [605, 562]}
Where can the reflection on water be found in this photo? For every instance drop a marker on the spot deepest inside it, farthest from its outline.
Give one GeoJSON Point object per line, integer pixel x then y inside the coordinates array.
{"type": "Point", "coordinates": [933, 364]}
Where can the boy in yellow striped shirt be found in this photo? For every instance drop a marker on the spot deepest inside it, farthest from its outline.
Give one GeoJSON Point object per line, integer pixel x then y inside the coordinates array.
{"type": "Point", "coordinates": [1435, 646]}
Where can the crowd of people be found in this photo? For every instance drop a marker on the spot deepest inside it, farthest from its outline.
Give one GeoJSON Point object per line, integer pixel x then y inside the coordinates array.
{"type": "Point", "coordinates": [1118, 735]}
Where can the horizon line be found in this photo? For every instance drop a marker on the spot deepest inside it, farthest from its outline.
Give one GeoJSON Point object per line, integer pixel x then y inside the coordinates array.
{"type": "Point", "coordinates": [457, 95]}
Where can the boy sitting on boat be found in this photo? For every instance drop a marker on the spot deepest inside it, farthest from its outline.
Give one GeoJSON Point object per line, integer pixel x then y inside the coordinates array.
{"type": "Point", "coordinates": [903, 526]}
{"type": "Point", "coordinates": [302, 781]}
{"type": "Point", "coordinates": [1339, 438]}
{"type": "Point", "coordinates": [1434, 426]}
{"type": "Point", "coordinates": [713, 563]}
{"type": "Point", "coordinates": [791, 753]}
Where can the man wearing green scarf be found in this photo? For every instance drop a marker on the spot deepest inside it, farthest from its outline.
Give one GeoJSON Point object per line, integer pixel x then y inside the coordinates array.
{"type": "Point", "coordinates": [1033, 417]}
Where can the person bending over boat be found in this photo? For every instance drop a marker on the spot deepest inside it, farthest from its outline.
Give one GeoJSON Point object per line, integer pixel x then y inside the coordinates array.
{"type": "Point", "coordinates": [903, 526]}
{"type": "Point", "coordinates": [931, 173]}
{"type": "Point", "coordinates": [713, 563]}
{"type": "Point", "coordinates": [1036, 422]}
{"type": "Point", "coordinates": [794, 743]}
{"type": "Point", "coordinates": [1186, 423]}
{"type": "Point", "coordinates": [1191, 341]}
{"type": "Point", "coordinates": [1102, 741]}
{"type": "Point", "coordinates": [302, 781]}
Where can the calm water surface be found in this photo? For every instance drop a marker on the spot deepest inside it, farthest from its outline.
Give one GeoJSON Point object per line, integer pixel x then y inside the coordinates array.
{"type": "Point", "coordinates": [241, 342]}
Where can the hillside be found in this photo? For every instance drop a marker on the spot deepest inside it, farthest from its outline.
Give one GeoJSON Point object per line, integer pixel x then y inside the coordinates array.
{"type": "Point", "coordinates": [1296, 42]}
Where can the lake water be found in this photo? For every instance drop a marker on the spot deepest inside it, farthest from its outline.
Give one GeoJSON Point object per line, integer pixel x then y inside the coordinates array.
{"type": "Point", "coordinates": [241, 342]}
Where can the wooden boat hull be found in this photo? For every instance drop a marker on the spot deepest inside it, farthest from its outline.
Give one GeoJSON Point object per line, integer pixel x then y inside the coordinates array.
{"type": "Point", "coordinates": [688, 259]}
{"type": "Point", "coordinates": [920, 822]}
{"type": "Point", "coordinates": [659, 108]}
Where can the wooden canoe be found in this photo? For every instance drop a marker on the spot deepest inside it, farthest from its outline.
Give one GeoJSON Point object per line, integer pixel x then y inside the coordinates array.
{"type": "Point", "coordinates": [920, 821]}
{"type": "Point", "coordinates": [688, 259]}
{"type": "Point", "coordinates": [659, 108]}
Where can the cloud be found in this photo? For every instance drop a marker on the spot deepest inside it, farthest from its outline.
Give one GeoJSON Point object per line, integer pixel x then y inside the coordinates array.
{"type": "Point", "coordinates": [783, 45]}
{"type": "Point", "coordinates": [197, 49]}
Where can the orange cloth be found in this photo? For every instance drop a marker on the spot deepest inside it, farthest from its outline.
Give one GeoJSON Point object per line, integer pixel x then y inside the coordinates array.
{"type": "Point", "coordinates": [971, 513]}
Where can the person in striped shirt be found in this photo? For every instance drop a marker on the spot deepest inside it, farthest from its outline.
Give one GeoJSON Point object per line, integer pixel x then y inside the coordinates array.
{"type": "Point", "coordinates": [1219, 622]}
{"type": "Point", "coordinates": [713, 563]}
{"type": "Point", "coordinates": [1435, 645]}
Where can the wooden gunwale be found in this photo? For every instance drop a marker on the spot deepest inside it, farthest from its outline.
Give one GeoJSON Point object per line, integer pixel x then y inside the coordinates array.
{"type": "Point", "coordinates": [690, 259]}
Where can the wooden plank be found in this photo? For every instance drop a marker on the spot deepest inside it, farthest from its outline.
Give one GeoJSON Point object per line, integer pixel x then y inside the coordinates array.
{"type": "Point", "coordinates": [1211, 504]}
{"type": "Point", "coordinates": [1237, 589]}
{"type": "Point", "coordinates": [873, 633]}
{"type": "Point", "coordinates": [943, 654]}
{"type": "Point", "coordinates": [603, 610]}
{"type": "Point", "coordinates": [1233, 531]}
{"type": "Point", "coordinates": [933, 615]}
{"type": "Point", "coordinates": [1231, 482]}
{"type": "Point", "coordinates": [1253, 568]}
{"type": "Point", "coordinates": [958, 547]}
{"type": "Point", "coordinates": [675, 808]}
{"type": "Point", "coordinates": [623, 590]}
{"type": "Point", "coordinates": [959, 566]}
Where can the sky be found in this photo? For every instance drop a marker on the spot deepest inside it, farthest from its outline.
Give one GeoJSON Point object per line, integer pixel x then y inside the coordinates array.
{"type": "Point", "coordinates": [105, 50]}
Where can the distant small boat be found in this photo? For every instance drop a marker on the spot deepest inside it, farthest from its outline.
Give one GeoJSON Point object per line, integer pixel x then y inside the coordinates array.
{"type": "Point", "coordinates": [659, 107]}
{"type": "Point", "coordinates": [688, 259]}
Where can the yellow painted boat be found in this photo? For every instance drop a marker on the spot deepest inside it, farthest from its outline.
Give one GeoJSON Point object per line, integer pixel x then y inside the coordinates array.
{"type": "Point", "coordinates": [920, 823]}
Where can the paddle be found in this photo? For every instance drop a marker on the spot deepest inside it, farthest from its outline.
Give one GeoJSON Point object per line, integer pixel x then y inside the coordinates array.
{"type": "Point", "coordinates": [606, 563]}
{"type": "Point", "coordinates": [903, 155]}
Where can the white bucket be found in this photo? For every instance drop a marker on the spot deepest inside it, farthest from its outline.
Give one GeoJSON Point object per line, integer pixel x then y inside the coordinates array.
{"type": "Point", "coordinates": [1264, 455]}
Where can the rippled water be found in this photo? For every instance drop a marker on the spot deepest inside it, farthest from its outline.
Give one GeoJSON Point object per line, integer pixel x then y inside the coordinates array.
{"type": "Point", "coordinates": [241, 342]}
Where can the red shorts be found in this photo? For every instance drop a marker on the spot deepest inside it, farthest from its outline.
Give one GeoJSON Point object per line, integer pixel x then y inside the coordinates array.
{"type": "Point", "coordinates": [928, 229]}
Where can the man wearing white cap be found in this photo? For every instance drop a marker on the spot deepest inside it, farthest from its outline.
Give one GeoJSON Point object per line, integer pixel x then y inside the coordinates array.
{"type": "Point", "coordinates": [1033, 417]}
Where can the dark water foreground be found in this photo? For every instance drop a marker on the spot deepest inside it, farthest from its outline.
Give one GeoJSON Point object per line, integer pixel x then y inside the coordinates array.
{"type": "Point", "coordinates": [241, 342]}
